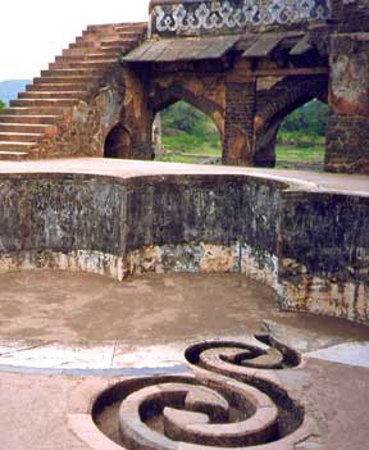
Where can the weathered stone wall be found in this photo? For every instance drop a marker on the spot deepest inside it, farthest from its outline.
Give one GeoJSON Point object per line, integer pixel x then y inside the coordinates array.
{"type": "Point", "coordinates": [83, 128]}
{"type": "Point", "coordinates": [348, 125]}
{"type": "Point", "coordinates": [312, 248]}
{"type": "Point", "coordinates": [119, 228]}
{"type": "Point", "coordinates": [350, 15]}
{"type": "Point", "coordinates": [324, 254]}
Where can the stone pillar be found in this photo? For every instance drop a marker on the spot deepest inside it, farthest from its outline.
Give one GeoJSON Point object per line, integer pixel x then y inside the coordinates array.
{"type": "Point", "coordinates": [239, 123]}
{"type": "Point", "coordinates": [348, 124]}
{"type": "Point", "coordinates": [156, 145]}
{"type": "Point", "coordinates": [265, 145]}
{"type": "Point", "coordinates": [136, 115]}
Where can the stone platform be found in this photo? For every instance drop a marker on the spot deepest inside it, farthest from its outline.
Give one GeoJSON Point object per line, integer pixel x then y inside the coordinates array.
{"type": "Point", "coordinates": [303, 180]}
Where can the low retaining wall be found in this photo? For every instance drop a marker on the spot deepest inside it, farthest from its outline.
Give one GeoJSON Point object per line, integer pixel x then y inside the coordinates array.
{"type": "Point", "coordinates": [312, 248]}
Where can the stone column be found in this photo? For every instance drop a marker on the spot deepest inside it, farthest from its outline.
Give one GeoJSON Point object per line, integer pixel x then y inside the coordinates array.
{"type": "Point", "coordinates": [265, 145]}
{"type": "Point", "coordinates": [239, 123]}
{"type": "Point", "coordinates": [348, 124]}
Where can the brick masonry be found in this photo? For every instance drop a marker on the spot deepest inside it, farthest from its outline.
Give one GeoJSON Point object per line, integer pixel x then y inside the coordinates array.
{"type": "Point", "coordinates": [348, 126]}
{"type": "Point", "coordinates": [92, 102]}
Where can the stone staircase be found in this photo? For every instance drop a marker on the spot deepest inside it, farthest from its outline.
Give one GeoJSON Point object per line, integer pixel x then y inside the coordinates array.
{"type": "Point", "coordinates": [74, 76]}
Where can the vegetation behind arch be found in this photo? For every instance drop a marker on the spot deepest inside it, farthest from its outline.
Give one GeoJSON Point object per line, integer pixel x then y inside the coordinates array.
{"type": "Point", "coordinates": [310, 121]}
{"type": "Point", "coordinates": [301, 137]}
{"type": "Point", "coordinates": [189, 135]}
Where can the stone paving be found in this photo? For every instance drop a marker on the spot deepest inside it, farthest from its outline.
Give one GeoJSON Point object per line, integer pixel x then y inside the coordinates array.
{"type": "Point", "coordinates": [315, 181]}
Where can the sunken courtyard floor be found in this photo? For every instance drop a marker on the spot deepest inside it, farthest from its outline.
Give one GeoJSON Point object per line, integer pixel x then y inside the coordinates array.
{"type": "Point", "coordinates": [83, 355]}
{"type": "Point", "coordinates": [66, 337]}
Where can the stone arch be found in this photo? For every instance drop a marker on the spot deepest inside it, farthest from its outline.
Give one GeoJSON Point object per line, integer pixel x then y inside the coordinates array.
{"type": "Point", "coordinates": [163, 98]}
{"type": "Point", "coordinates": [118, 142]}
{"type": "Point", "coordinates": [277, 103]}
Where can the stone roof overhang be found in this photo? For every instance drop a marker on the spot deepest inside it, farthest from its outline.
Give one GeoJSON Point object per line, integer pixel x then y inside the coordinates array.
{"type": "Point", "coordinates": [182, 49]}
{"type": "Point", "coordinates": [250, 45]}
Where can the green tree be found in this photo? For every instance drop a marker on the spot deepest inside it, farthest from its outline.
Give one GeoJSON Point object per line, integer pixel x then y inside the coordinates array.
{"type": "Point", "coordinates": [184, 117]}
{"type": "Point", "coordinates": [2, 104]}
{"type": "Point", "coordinates": [310, 119]}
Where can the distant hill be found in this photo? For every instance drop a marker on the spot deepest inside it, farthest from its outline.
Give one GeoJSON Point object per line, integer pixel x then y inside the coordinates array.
{"type": "Point", "coordinates": [10, 88]}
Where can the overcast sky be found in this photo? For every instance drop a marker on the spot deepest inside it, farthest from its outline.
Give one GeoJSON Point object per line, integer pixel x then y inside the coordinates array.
{"type": "Point", "coordinates": [33, 32]}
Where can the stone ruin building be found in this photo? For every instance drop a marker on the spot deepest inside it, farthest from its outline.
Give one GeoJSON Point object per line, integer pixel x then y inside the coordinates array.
{"type": "Point", "coordinates": [245, 63]}
{"type": "Point", "coordinates": [295, 383]}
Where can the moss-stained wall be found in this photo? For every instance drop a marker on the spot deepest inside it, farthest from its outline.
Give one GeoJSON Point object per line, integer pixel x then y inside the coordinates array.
{"type": "Point", "coordinates": [311, 247]}
{"type": "Point", "coordinates": [324, 254]}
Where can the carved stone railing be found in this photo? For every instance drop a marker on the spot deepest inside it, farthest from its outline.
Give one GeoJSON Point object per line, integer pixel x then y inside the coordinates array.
{"type": "Point", "coordinates": [193, 17]}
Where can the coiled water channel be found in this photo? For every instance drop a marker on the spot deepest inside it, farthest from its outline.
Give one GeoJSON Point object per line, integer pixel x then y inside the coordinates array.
{"type": "Point", "coordinates": [227, 404]}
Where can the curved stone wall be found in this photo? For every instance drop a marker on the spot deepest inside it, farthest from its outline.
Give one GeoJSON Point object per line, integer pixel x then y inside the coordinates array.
{"type": "Point", "coordinates": [304, 245]}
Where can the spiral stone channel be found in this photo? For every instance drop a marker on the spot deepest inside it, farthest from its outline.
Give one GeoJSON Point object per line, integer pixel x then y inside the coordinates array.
{"type": "Point", "coordinates": [229, 402]}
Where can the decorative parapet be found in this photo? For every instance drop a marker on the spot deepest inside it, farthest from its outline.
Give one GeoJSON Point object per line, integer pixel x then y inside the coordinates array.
{"type": "Point", "coordinates": [193, 17]}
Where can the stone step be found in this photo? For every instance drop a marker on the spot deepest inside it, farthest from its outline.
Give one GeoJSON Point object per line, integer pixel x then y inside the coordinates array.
{"type": "Point", "coordinates": [27, 128]}
{"type": "Point", "coordinates": [83, 52]}
{"type": "Point", "coordinates": [28, 119]}
{"type": "Point", "coordinates": [102, 26]}
{"type": "Point", "coordinates": [71, 73]}
{"type": "Point", "coordinates": [117, 43]}
{"type": "Point", "coordinates": [48, 87]}
{"type": "Point", "coordinates": [96, 37]}
{"type": "Point", "coordinates": [102, 56]}
{"type": "Point", "coordinates": [6, 146]}
{"type": "Point", "coordinates": [34, 111]}
{"type": "Point", "coordinates": [135, 27]}
{"type": "Point", "coordinates": [98, 29]}
{"type": "Point", "coordinates": [81, 42]}
{"type": "Point", "coordinates": [20, 137]}
{"type": "Point", "coordinates": [60, 80]}
{"type": "Point", "coordinates": [85, 40]}
{"type": "Point", "coordinates": [123, 33]}
{"type": "Point", "coordinates": [109, 33]}
{"type": "Point", "coordinates": [113, 50]}
{"type": "Point", "coordinates": [98, 52]}
{"type": "Point", "coordinates": [70, 57]}
{"type": "Point", "coordinates": [12, 155]}
{"type": "Point", "coordinates": [46, 102]}
{"type": "Point", "coordinates": [82, 45]}
{"type": "Point", "coordinates": [86, 65]}
{"type": "Point", "coordinates": [97, 56]}
{"type": "Point", "coordinates": [53, 95]}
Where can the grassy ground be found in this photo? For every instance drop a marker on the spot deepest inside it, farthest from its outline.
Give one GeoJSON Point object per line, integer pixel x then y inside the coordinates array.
{"type": "Point", "coordinates": [185, 148]}
{"type": "Point", "coordinates": [309, 157]}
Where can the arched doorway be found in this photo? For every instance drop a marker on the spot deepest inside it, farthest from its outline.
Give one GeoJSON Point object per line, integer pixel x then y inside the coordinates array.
{"type": "Point", "coordinates": [118, 143]}
{"type": "Point", "coordinates": [287, 99]}
{"type": "Point", "coordinates": [300, 142]}
{"type": "Point", "coordinates": [183, 133]}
